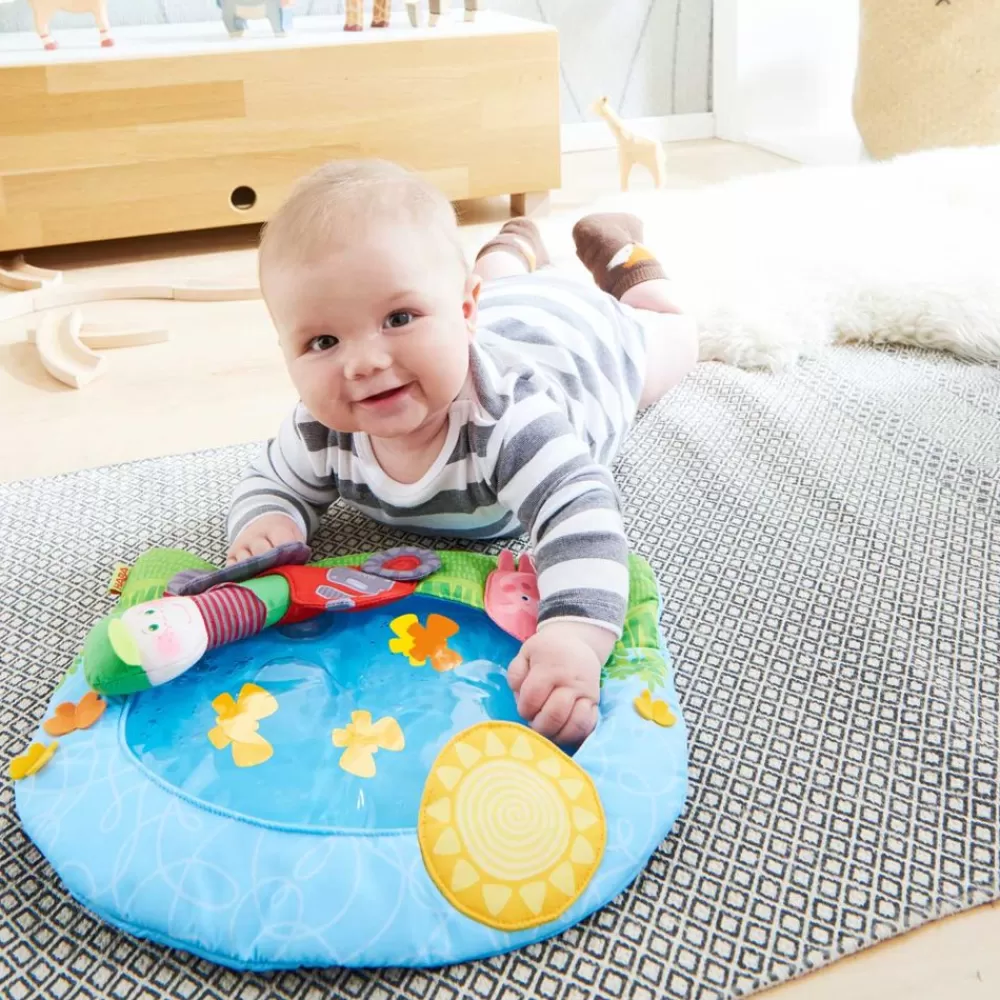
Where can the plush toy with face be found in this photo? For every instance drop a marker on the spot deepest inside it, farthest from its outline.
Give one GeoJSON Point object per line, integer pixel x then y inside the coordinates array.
{"type": "Point", "coordinates": [154, 642]}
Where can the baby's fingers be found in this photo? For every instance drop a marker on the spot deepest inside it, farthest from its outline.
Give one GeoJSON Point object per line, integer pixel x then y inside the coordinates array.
{"type": "Point", "coordinates": [237, 555]}
{"type": "Point", "coordinates": [259, 545]}
{"type": "Point", "coordinates": [516, 672]}
{"type": "Point", "coordinates": [534, 692]}
{"type": "Point", "coordinates": [580, 724]}
{"type": "Point", "coordinates": [555, 713]}
{"type": "Point", "coordinates": [284, 530]}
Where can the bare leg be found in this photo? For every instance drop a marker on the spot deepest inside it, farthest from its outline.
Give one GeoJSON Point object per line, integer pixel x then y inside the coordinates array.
{"type": "Point", "coordinates": [516, 249]}
{"type": "Point", "coordinates": [671, 352]}
{"type": "Point", "coordinates": [652, 295]}
{"type": "Point", "coordinates": [672, 344]}
{"type": "Point", "coordinates": [499, 264]}
{"type": "Point", "coordinates": [610, 247]}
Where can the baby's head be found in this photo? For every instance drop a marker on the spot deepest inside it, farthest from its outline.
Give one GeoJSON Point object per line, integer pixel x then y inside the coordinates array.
{"type": "Point", "coordinates": [374, 303]}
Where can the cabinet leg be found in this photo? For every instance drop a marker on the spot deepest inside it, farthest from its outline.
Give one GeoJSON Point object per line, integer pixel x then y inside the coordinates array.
{"type": "Point", "coordinates": [530, 203]}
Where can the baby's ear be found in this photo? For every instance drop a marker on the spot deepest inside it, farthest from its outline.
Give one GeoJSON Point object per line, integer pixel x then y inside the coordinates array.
{"type": "Point", "coordinates": [470, 304]}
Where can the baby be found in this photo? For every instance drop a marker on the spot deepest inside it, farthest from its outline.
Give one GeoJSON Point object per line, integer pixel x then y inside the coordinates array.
{"type": "Point", "coordinates": [474, 403]}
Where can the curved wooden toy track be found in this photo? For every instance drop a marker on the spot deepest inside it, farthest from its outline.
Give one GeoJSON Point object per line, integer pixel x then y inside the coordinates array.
{"type": "Point", "coordinates": [64, 342]}
{"type": "Point", "coordinates": [38, 299]}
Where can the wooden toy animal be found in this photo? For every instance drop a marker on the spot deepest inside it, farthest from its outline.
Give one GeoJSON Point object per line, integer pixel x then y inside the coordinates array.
{"type": "Point", "coordinates": [235, 13]}
{"type": "Point", "coordinates": [632, 148]}
{"type": "Point", "coordinates": [354, 14]}
{"type": "Point", "coordinates": [44, 9]}
{"type": "Point", "coordinates": [471, 6]}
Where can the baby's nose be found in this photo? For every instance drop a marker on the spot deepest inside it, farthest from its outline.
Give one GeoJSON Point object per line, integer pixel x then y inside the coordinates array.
{"type": "Point", "coordinates": [367, 359]}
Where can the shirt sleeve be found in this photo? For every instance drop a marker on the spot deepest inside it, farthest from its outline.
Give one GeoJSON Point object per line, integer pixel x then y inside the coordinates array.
{"type": "Point", "coordinates": [290, 476]}
{"type": "Point", "coordinates": [570, 506]}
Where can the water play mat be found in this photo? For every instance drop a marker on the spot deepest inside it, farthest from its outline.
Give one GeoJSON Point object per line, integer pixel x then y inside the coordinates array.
{"type": "Point", "coordinates": [356, 788]}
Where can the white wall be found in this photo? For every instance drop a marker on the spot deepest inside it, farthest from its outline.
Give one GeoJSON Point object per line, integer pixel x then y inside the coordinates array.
{"type": "Point", "coordinates": [784, 76]}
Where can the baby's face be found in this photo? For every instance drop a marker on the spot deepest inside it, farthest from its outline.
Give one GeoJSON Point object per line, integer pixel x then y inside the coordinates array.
{"type": "Point", "coordinates": [376, 333]}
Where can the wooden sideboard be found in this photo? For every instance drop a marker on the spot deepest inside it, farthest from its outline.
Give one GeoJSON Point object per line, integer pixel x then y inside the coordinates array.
{"type": "Point", "coordinates": [179, 127]}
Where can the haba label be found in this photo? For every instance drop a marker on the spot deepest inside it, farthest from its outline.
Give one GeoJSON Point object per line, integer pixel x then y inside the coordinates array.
{"type": "Point", "coordinates": [118, 577]}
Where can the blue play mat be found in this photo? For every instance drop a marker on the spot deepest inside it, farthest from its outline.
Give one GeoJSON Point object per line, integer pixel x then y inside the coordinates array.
{"type": "Point", "coordinates": [383, 813]}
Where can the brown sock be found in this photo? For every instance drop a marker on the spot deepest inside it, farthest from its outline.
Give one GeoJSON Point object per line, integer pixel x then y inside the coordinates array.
{"type": "Point", "coordinates": [610, 245]}
{"type": "Point", "coordinates": [520, 237]}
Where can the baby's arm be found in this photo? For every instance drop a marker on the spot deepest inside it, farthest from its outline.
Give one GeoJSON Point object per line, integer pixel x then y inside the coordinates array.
{"type": "Point", "coordinates": [545, 474]}
{"type": "Point", "coordinates": [285, 492]}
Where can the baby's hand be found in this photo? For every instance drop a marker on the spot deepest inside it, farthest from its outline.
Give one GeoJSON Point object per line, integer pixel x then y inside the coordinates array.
{"type": "Point", "coordinates": [556, 679]}
{"type": "Point", "coordinates": [262, 535]}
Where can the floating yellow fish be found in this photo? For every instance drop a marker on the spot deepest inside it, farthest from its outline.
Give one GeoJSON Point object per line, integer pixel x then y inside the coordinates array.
{"type": "Point", "coordinates": [654, 710]}
{"type": "Point", "coordinates": [32, 760]}
{"type": "Point", "coordinates": [363, 738]}
{"type": "Point", "coordinates": [237, 723]}
{"type": "Point", "coordinates": [420, 643]}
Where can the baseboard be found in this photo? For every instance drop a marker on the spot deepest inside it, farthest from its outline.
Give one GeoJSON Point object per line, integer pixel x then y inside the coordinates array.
{"type": "Point", "coordinates": [812, 149]}
{"type": "Point", "coordinates": [581, 136]}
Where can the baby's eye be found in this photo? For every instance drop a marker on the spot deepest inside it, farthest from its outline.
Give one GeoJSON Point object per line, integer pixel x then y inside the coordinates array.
{"type": "Point", "coordinates": [323, 343]}
{"type": "Point", "coordinates": [398, 319]}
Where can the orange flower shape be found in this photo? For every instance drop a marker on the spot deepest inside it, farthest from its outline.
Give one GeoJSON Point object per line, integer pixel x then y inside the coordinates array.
{"type": "Point", "coordinates": [654, 710]}
{"type": "Point", "coordinates": [421, 643]}
{"type": "Point", "coordinates": [69, 716]}
{"type": "Point", "coordinates": [31, 761]}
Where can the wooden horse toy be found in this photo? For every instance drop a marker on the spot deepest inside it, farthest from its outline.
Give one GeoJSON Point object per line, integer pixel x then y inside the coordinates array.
{"type": "Point", "coordinates": [632, 148]}
{"type": "Point", "coordinates": [44, 9]}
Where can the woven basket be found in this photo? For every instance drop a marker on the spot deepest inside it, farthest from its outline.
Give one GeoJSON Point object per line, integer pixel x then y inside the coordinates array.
{"type": "Point", "coordinates": [928, 75]}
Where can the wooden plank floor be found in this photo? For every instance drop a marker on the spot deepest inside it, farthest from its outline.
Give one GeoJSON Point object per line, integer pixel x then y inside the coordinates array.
{"type": "Point", "coordinates": [220, 381]}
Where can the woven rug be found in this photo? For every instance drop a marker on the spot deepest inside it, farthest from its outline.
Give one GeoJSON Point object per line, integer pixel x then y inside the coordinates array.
{"type": "Point", "coordinates": [828, 542]}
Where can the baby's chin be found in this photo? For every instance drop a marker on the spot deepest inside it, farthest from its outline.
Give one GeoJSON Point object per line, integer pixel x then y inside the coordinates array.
{"type": "Point", "coordinates": [397, 426]}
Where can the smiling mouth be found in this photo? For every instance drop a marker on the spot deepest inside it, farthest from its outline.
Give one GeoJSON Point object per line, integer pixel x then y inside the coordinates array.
{"type": "Point", "coordinates": [385, 397]}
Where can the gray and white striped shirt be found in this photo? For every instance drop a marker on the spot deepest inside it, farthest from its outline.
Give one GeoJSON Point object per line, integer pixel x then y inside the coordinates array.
{"type": "Point", "coordinates": [556, 370]}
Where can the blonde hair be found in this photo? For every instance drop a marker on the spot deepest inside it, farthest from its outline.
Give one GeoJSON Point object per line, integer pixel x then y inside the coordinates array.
{"type": "Point", "coordinates": [324, 207]}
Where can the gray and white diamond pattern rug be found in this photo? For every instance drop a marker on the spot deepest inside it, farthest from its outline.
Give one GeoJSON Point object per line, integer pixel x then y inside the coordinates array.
{"type": "Point", "coordinates": [828, 545]}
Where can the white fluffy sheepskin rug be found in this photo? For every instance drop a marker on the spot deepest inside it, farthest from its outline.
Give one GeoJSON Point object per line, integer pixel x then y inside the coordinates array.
{"type": "Point", "coordinates": [775, 267]}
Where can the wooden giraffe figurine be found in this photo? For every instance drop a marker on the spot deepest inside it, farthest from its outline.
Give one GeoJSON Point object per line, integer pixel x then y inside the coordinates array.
{"type": "Point", "coordinates": [354, 14]}
{"type": "Point", "coordinates": [632, 148]}
{"type": "Point", "coordinates": [44, 9]}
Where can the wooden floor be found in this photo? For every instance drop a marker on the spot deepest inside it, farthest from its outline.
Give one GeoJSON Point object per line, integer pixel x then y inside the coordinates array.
{"type": "Point", "coordinates": [220, 381]}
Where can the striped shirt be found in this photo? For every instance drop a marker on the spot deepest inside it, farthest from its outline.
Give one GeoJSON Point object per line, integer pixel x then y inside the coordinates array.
{"type": "Point", "coordinates": [556, 370]}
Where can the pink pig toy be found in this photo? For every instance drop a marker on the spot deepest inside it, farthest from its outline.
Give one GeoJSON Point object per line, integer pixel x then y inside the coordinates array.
{"type": "Point", "coordinates": [512, 595]}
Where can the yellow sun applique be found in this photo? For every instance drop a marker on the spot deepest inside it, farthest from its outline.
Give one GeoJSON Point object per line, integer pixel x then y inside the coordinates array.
{"type": "Point", "coordinates": [237, 722]}
{"type": "Point", "coordinates": [32, 760]}
{"type": "Point", "coordinates": [511, 829]}
{"type": "Point", "coordinates": [363, 739]}
{"type": "Point", "coordinates": [654, 709]}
